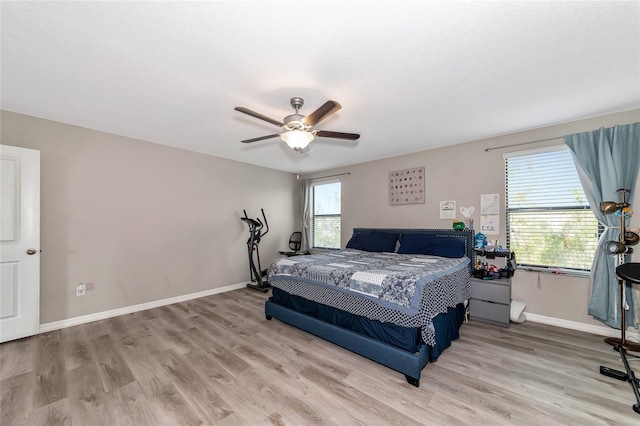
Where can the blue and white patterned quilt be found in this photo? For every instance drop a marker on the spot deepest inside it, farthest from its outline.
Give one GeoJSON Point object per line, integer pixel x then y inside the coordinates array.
{"type": "Point", "coordinates": [394, 280]}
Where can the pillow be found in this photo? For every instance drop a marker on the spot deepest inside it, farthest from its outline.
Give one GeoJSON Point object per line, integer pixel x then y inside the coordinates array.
{"type": "Point", "coordinates": [430, 244]}
{"type": "Point", "coordinates": [376, 241]}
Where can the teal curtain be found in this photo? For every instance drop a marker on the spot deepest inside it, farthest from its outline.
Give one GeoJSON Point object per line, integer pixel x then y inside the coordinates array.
{"type": "Point", "coordinates": [607, 159]}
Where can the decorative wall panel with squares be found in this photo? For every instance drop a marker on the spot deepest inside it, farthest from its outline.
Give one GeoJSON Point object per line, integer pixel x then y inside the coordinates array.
{"type": "Point", "coordinates": [406, 186]}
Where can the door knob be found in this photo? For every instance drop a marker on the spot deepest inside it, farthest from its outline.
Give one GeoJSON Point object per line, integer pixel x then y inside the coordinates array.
{"type": "Point", "coordinates": [32, 251]}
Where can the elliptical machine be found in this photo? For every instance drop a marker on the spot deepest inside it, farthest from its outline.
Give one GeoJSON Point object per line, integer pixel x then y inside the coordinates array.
{"type": "Point", "coordinates": [258, 275]}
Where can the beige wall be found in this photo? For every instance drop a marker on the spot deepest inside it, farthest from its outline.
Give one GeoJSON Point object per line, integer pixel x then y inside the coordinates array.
{"type": "Point", "coordinates": [462, 173]}
{"type": "Point", "coordinates": [141, 221]}
{"type": "Point", "coordinates": [144, 222]}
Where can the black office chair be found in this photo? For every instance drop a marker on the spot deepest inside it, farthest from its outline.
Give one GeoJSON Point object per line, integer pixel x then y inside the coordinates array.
{"type": "Point", "coordinates": [295, 244]}
{"type": "Point", "coordinates": [629, 273]}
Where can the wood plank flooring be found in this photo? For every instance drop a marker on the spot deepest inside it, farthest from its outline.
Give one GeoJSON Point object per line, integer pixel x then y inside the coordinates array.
{"type": "Point", "coordinates": [218, 361]}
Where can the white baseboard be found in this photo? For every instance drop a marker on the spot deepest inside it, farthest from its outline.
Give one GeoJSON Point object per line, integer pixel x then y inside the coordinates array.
{"type": "Point", "coordinates": [579, 326]}
{"type": "Point", "coordinates": [57, 325]}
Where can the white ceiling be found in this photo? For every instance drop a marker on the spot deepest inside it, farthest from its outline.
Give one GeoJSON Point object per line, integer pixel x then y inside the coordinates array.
{"type": "Point", "coordinates": [409, 75]}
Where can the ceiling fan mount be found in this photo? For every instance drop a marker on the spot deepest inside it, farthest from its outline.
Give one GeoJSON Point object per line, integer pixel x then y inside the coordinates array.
{"type": "Point", "coordinates": [294, 121]}
{"type": "Point", "coordinates": [297, 128]}
{"type": "Point", "coordinates": [296, 103]}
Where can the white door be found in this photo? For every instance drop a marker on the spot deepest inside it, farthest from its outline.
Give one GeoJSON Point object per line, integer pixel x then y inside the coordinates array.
{"type": "Point", "coordinates": [20, 242]}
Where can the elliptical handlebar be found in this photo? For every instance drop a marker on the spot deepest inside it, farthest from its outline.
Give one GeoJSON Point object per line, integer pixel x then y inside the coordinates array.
{"type": "Point", "coordinates": [265, 223]}
{"type": "Point", "coordinates": [254, 224]}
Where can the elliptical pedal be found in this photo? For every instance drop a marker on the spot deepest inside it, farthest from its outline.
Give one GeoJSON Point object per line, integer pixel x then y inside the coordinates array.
{"type": "Point", "coordinates": [263, 287]}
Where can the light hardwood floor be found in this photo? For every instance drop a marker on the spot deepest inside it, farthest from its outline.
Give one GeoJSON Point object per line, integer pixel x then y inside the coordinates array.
{"type": "Point", "coordinates": [217, 360]}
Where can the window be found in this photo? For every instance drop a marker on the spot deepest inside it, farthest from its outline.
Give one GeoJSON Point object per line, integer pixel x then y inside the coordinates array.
{"type": "Point", "coordinates": [549, 221]}
{"type": "Point", "coordinates": [325, 215]}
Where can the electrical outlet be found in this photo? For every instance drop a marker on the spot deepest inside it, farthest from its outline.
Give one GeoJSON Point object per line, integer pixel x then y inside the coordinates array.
{"type": "Point", "coordinates": [81, 289]}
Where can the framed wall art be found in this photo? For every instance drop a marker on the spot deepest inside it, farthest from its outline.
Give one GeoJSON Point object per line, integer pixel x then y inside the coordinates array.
{"type": "Point", "coordinates": [406, 186]}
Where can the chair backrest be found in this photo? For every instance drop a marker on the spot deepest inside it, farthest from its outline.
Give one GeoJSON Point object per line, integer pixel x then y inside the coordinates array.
{"type": "Point", "coordinates": [295, 241]}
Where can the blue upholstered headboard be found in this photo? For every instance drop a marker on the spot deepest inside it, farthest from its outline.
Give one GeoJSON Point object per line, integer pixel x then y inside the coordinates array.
{"type": "Point", "coordinates": [467, 236]}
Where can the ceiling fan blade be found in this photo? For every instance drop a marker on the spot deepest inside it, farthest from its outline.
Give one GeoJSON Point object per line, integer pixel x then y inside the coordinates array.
{"type": "Point", "coordinates": [337, 135]}
{"type": "Point", "coordinates": [260, 138]}
{"type": "Point", "coordinates": [258, 115]}
{"type": "Point", "coordinates": [321, 113]}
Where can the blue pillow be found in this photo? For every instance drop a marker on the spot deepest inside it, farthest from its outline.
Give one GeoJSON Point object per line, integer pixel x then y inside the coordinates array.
{"type": "Point", "coordinates": [432, 245]}
{"type": "Point", "coordinates": [375, 241]}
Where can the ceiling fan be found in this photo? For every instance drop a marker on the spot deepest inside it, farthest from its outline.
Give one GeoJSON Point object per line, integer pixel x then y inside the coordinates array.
{"type": "Point", "coordinates": [297, 128]}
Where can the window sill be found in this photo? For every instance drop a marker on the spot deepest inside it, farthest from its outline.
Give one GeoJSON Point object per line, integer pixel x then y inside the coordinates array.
{"type": "Point", "coordinates": [314, 250]}
{"type": "Point", "coordinates": [555, 271]}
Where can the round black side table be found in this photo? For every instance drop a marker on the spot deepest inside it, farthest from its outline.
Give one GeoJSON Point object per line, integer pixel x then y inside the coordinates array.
{"type": "Point", "coordinates": [629, 273]}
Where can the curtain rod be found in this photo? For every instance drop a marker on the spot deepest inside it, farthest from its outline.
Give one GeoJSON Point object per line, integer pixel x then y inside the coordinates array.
{"type": "Point", "coordinates": [523, 143]}
{"type": "Point", "coordinates": [323, 177]}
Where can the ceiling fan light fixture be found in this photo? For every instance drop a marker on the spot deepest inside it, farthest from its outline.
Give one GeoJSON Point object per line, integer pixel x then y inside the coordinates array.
{"type": "Point", "coordinates": [297, 139]}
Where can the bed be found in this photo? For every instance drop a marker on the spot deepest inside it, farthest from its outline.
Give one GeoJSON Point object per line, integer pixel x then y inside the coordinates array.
{"type": "Point", "coordinates": [395, 296]}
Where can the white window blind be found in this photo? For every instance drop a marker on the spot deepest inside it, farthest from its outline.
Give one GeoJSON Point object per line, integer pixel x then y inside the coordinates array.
{"type": "Point", "coordinates": [325, 215]}
{"type": "Point", "coordinates": [549, 221]}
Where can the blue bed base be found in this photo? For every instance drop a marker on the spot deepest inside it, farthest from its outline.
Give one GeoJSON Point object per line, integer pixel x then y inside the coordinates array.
{"type": "Point", "coordinates": [408, 363]}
